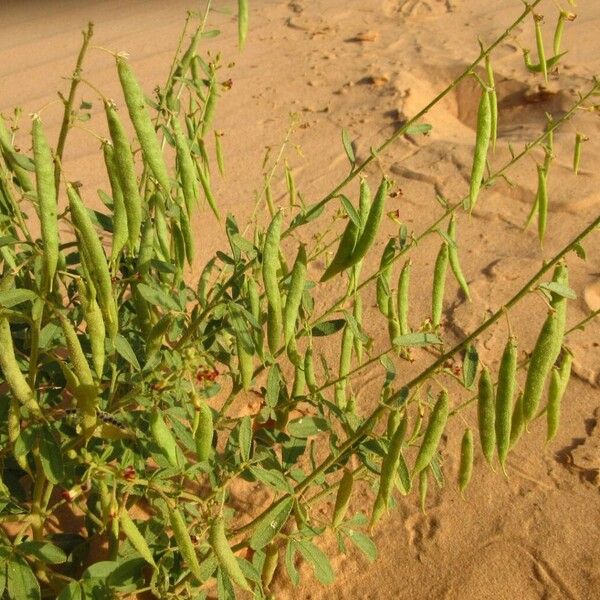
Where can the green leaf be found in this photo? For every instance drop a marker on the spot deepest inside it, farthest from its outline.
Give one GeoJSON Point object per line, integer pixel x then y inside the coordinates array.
{"type": "Point", "coordinates": [423, 128]}
{"type": "Point", "coordinates": [580, 251]}
{"type": "Point", "coordinates": [245, 438]}
{"type": "Point", "coordinates": [290, 554]}
{"type": "Point", "coordinates": [240, 328]}
{"type": "Point", "coordinates": [23, 161]}
{"type": "Point", "coordinates": [304, 427]}
{"type": "Point", "coordinates": [350, 211]}
{"type": "Point", "coordinates": [123, 347]}
{"type": "Point", "coordinates": [157, 296]}
{"type": "Point", "coordinates": [403, 480]}
{"type": "Point", "coordinates": [328, 327]}
{"type": "Point", "coordinates": [417, 339]}
{"type": "Point", "coordinates": [364, 543]}
{"type": "Point", "coordinates": [559, 289]}
{"type": "Point", "coordinates": [470, 363]}
{"type": "Point", "coordinates": [72, 592]}
{"type": "Point", "coordinates": [272, 478]}
{"type": "Point", "coordinates": [271, 523]}
{"type": "Point", "coordinates": [11, 298]}
{"type": "Point", "coordinates": [21, 582]}
{"type": "Point", "coordinates": [273, 386]}
{"type": "Point", "coordinates": [348, 147]}
{"type": "Point", "coordinates": [45, 551]}
{"type": "Point", "coordinates": [50, 455]}
{"type": "Point", "coordinates": [318, 560]}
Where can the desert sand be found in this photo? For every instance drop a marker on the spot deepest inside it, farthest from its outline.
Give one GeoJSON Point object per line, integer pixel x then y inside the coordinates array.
{"type": "Point", "coordinates": [367, 66]}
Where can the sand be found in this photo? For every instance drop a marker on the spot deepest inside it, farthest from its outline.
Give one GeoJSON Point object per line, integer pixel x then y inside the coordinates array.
{"type": "Point", "coordinates": [366, 66]}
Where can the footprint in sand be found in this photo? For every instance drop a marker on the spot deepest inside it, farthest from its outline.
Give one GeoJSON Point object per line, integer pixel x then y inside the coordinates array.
{"type": "Point", "coordinates": [591, 295]}
{"type": "Point", "coordinates": [417, 8]}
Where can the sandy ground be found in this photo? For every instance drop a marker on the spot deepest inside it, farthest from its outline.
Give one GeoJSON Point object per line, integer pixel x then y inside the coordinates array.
{"type": "Point", "coordinates": [366, 66]}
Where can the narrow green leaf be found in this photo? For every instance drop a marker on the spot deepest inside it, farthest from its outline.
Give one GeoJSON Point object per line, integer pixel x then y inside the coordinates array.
{"type": "Point", "coordinates": [348, 147]}
{"type": "Point", "coordinates": [123, 347]}
{"type": "Point", "coordinates": [271, 523]}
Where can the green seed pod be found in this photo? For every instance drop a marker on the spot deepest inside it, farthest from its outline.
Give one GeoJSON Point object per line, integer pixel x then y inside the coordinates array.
{"type": "Point", "coordinates": [393, 323]}
{"type": "Point", "coordinates": [46, 193]}
{"type": "Point", "coordinates": [119, 220]}
{"type": "Point", "coordinates": [579, 139]}
{"type": "Point", "coordinates": [294, 297]}
{"type": "Point", "coordinates": [227, 560]}
{"type": "Point", "coordinates": [163, 438]}
{"type": "Point", "coordinates": [493, 102]}
{"type": "Point", "coordinates": [127, 177]}
{"type": "Point", "coordinates": [299, 385]}
{"type": "Point", "coordinates": [344, 251]}
{"type": "Point", "coordinates": [185, 168]}
{"type": "Point", "coordinates": [384, 276]}
{"type": "Point", "coordinates": [439, 283]}
{"type": "Point", "coordinates": [454, 261]}
{"type": "Point", "coordinates": [517, 424]}
{"type": "Point", "coordinates": [344, 368]}
{"type": "Point", "coordinates": [188, 235]}
{"type": "Point", "coordinates": [136, 106]}
{"type": "Point", "coordinates": [486, 413]}
{"type": "Point", "coordinates": [245, 364]}
{"type": "Point", "coordinates": [146, 248]}
{"type": "Point", "coordinates": [204, 431]}
{"type": "Point", "coordinates": [242, 22]}
{"type": "Point", "coordinates": [157, 202]}
{"type": "Point", "coordinates": [558, 386]}
{"type": "Point", "coordinates": [309, 370]}
{"type": "Point", "coordinates": [269, 272]}
{"type": "Point", "coordinates": [389, 467]}
{"type": "Point", "coordinates": [184, 543]}
{"type": "Point", "coordinates": [94, 326]}
{"type": "Point", "coordinates": [542, 200]}
{"type": "Point", "coordinates": [357, 314]}
{"type": "Point", "coordinates": [12, 373]}
{"type": "Point", "coordinates": [204, 181]}
{"type": "Point", "coordinates": [507, 381]}
{"type": "Point", "coordinates": [270, 564]}
{"type": "Point", "coordinates": [95, 261]}
{"type": "Point", "coordinates": [394, 420]}
{"type": "Point", "coordinates": [466, 460]}
{"type": "Point", "coordinates": [482, 142]}
{"type": "Point", "coordinates": [547, 348]}
{"type": "Point", "coordinates": [14, 420]}
{"type": "Point", "coordinates": [539, 40]}
{"type": "Point", "coordinates": [402, 298]}
{"type": "Point", "coordinates": [433, 433]}
{"type": "Point", "coordinates": [342, 499]}
{"type": "Point", "coordinates": [136, 539]}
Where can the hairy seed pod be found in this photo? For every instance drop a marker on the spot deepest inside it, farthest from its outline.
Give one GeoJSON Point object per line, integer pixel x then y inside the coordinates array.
{"type": "Point", "coordinates": [547, 348]}
{"type": "Point", "coordinates": [486, 414]}
{"type": "Point", "coordinates": [558, 386]}
{"type": "Point", "coordinates": [227, 560]}
{"type": "Point", "coordinates": [393, 323]}
{"type": "Point", "coordinates": [342, 499]}
{"type": "Point", "coordinates": [136, 106]}
{"type": "Point", "coordinates": [403, 299]}
{"type": "Point", "coordinates": [465, 469]}
{"type": "Point", "coordinates": [203, 434]}
{"type": "Point", "coordinates": [294, 297]}
{"type": "Point", "coordinates": [309, 370]}
{"type": "Point", "coordinates": [344, 367]}
{"type": "Point", "coordinates": [433, 433]}
{"type": "Point", "coordinates": [270, 564]}
{"type": "Point", "coordinates": [439, 284]}
{"type": "Point", "coordinates": [46, 194]}
{"type": "Point", "coordinates": [454, 261]}
{"type": "Point", "coordinates": [423, 485]}
{"type": "Point", "coordinates": [136, 539]}
{"type": "Point", "coordinates": [119, 221]}
{"type": "Point", "coordinates": [542, 200]}
{"type": "Point", "coordinates": [482, 142]}
{"type": "Point", "coordinates": [344, 251]}
{"type": "Point", "coordinates": [493, 102]}
{"type": "Point", "coordinates": [184, 542]}
{"type": "Point", "coordinates": [507, 382]}
{"type": "Point", "coordinates": [517, 423]}
{"type": "Point", "coordinates": [270, 266]}
{"type": "Point", "coordinates": [245, 364]}
{"type": "Point", "coordinates": [384, 276]}
{"type": "Point", "coordinates": [539, 40]}
{"type": "Point", "coordinates": [13, 423]}
{"type": "Point", "coordinates": [185, 168]}
{"type": "Point", "coordinates": [242, 22]}
{"type": "Point", "coordinates": [127, 177]}
{"type": "Point", "coordinates": [188, 235]}
{"type": "Point", "coordinates": [163, 438]}
{"type": "Point", "coordinates": [94, 326]}
{"type": "Point", "coordinates": [357, 314]}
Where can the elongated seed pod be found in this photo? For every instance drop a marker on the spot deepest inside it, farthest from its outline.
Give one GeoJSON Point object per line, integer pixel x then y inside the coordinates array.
{"type": "Point", "coordinates": [393, 323]}
{"type": "Point", "coordinates": [127, 177]}
{"type": "Point", "coordinates": [242, 22]}
{"type": "Point", "coordinates": [433, 433]}
{"type": "Point", "coordinates": [344, 367]}
{"type": "Point", "coordinates": [342, 499]}
{"type": "Point", "coordinates": [95, 260]}
{"type": "Point", "coordinates": [120, 232]}
{"type": "Point", "coordinates": [558, 32]}
{"type": "Point", "coordinates": [357, 314]}
{"type": "Point", "coordinates": [12, 373]}
{"type": "Point", "coordinates": [163, 438]}
{"type": "Point", "coordinates": [299, 385]}
{"type": "Point", "coordinates": [209, 107]}
{"type": "Point", "coordinates": [188, 235]}
{"type": "Point", "coordinates": [219, 153]}
{"type": "Point", "coordinates": [185, 168]}
{"type": "Point", "coordinates": [558, 385]}
{"type": "Point", "coordinates": [453, 258]}
{"type": "Point", "coordinates": [538, 68]}
{"type": "Point", "coordinates": [542, 199]}
{"type": "Point", "coordinates": [344, 251]}
{"type": "Point", "coordinates": [227, 560]}
{"type": "Point", "coordinates": [245, 364]}
{"type": "Point", "coordinates": [579, 139]}
{"type": "Point", "coordinates": [137, 540]}
{"type": "Point", "coordinates": [482, 142]}
{"type": "Point", "coordinates": [384, 276]}
{"type": "Point", "coordinates": [402, 298]}
{"type": "Point", "coordinates": [94, 326]}
{"type": "Point", "coordinates": [539, 41]}
{"type": "Point", "coordinates": [46, 193]}
{"type": "Point", "coordinates": [423, 485]}
{"type": "Point", "coordinates": [205, 183]}
{"type": "Point", "coordinates": [493, 102]}
{"type": "Point", "coordinates": [439, 284]}
{"type": "Point", "coordinates": [184, 542]}
{"type": "Point", "coordinates": [161, 227]}
{"type": "Point", "coordinates": [465, 470]}
{"type": "Point", "coordinates": [394, 419]}
{"type": "Point", "coordinates": [547, 348]}
{"type": "Point", "coordinates": [13, 421]}
{"type": "Point", "coordinates": [203, 434]}
{"type": "Point", "coordinates": [270, 265]}
{"type": "Point", "coordinates": [309, 370]}
{"type": "Point", "coordinates": [270, 565]}
{"type": "Point", "coordinates": [486, 414]}
{"type": "Point", "coordinates": [507, 382]}
{"type": "Point", "coordinates": [136, 106]}
{"type": "Point", "coordinates": [517, 422]}
{"type": "Point", "coordinates": [389, 466]}
{"type": "Point", "coordinates": [294, 297]}
{"type": "Point", "coordinates": [254, 301]}
{"type": "Point", "coordinates": [146, 248]}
